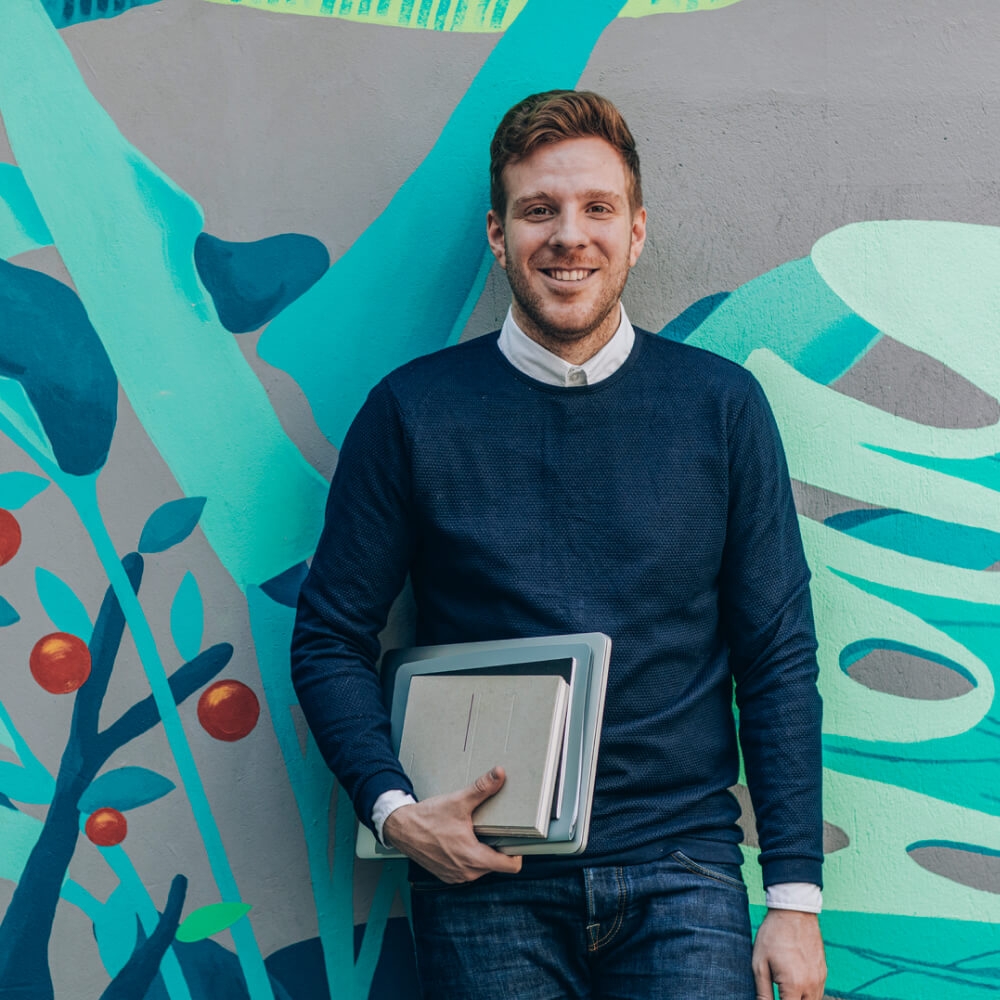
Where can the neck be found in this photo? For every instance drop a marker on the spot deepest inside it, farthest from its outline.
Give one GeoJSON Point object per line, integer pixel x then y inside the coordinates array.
{"type": "Point", "coordinates": [577, 350]}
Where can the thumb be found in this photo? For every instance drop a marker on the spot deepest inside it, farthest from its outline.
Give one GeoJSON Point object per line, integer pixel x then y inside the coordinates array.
{"type": "Point", "coordinates": [484, 786]}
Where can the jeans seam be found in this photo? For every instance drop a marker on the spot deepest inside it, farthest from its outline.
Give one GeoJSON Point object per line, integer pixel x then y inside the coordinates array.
{"type": "Point", "coordinates": [619, 915]}
{"type": "Point", "coordinates": [698, 869]}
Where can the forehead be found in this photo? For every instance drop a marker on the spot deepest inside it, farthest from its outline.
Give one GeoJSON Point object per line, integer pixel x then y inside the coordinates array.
{"type": "Point", "coordinates": [562, 169]}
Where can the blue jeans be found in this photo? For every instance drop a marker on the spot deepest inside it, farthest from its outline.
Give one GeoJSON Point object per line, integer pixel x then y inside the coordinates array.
{"type": "Point", "coordinates": [665, 930]}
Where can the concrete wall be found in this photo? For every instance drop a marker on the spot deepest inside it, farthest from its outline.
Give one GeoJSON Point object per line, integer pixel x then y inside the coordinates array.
{"type": "Point", "coordinates": [221, 222]}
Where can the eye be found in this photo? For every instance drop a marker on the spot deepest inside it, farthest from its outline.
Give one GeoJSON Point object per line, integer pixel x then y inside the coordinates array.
{"type": "Point", "coordinates": [538, 212]}
{"type": "Point", "coordinates": [600, 209]}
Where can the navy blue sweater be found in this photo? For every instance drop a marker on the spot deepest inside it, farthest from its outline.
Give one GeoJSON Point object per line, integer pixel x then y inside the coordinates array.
{"type": "Point", "coordinates": [653, 506]}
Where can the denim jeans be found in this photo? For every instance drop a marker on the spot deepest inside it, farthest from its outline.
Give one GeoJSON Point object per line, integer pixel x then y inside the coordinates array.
{"type": "Point", "coordinates": [673, 929]}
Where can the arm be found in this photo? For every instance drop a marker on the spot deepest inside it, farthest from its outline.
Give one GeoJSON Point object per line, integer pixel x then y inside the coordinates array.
{"type": "Point", "coordinates": [360, 565]}
{"type": "Point", "coordinates": [765, 608]}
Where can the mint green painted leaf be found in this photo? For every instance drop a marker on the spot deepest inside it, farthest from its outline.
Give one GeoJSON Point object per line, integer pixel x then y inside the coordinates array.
{"type": "Point", "coordinates": [187, 618]}
{"type": "Point", "coordinates": [125, 788]}
{"type": "Point", "coordinates": [24, 785]}
{"type": "Point", "coordinates": [61, 604]}
{"type": "Point", "coordinates": [170, 524]}
{"type": "Point", "coordinates": [17, 415]}
{"type": "Point", "coordinates": [17, 488]}
{"type": "Point", "coordinates": [8, 615]}
{"type": "Point", "coordinates": [18, 833]}
{"type": "Point", "coordinates": [209, 920]}
{"type": "Point", "coordinates": [445, 15]}
{"type": "Point", "coordinates": [22, 227]}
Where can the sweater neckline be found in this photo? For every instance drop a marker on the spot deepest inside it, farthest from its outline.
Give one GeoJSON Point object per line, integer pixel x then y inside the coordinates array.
{"type": "Point", "coordinates": [570, 390]}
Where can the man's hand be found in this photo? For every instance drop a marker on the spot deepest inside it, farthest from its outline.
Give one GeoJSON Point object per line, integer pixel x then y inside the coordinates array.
{"type": "Point", "coordinates": [437, 833]}
{"type": "Point", "coordinates": [789, 952]}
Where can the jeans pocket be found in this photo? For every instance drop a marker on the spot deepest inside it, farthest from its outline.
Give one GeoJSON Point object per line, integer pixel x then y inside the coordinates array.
{"type": "Point", "coordinates": [697, 868]}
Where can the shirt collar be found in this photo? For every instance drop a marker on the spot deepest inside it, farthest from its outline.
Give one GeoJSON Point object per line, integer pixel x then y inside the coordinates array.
{"type": "Point", "coordinates": [532, 359]}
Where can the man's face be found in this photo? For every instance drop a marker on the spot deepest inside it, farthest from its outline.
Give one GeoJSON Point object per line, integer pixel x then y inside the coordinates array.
{"type": "Point", "coordinates": [568, 240]}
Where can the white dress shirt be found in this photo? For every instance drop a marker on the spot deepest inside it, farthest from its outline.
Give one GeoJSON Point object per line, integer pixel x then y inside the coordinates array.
{"type": "Point", "coordinates": [529, 357]}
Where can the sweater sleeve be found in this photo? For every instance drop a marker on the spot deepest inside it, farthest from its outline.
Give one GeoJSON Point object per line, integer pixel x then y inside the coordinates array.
{"type": "Point", "coordinates": [767, 615]}
{"type": "Point", "coordinates": [358, 570]}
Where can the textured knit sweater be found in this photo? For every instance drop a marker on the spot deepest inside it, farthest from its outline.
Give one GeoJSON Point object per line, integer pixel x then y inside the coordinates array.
{"type": "Point", "coordinates": [653, 506]}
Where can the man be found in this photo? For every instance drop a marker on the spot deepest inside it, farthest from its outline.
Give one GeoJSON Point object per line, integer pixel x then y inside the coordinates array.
{"type": "Point", "coordinates": [571, 474]}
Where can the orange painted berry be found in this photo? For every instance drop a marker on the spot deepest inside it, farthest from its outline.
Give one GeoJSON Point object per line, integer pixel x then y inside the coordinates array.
{"type": "Point", "coordinates": [106, 827]}
{"type": "Point", "coordinates": [228, 710]}
{"type": "Point", "coordinates": [10, 536]}
{"type": "Point", "coordinates": [60, 662]}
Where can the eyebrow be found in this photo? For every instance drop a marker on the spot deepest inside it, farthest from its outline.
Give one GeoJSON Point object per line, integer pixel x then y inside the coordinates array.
{"type": "Point", "coordinates": [594, 194]}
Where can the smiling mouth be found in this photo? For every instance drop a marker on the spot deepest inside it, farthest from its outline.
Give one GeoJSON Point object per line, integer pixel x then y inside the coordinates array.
{"type": "Point", "coordinates": [564, 274]}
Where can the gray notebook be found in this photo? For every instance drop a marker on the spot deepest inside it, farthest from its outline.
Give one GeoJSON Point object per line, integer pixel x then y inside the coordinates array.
{"type": "Point", "coordinates": [457, 728]}
{"type": "Point", "coordinates": [581, 660]}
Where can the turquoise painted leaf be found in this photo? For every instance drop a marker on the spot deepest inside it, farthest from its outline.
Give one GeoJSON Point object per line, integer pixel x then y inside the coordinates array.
{"type": "Point", "coordinates": [170, 524]}
{"type": "Point", "coordinates": [22, 227]}
{"type": "Point", "coordinates": [17, 488]}
{"type": "Point", "coordinates": [62, 605]}
{"type": "Point", "coordinates": [125, 788]}
{"type": "Point", "coordinates": [208, 920]}
{"type": "Point", "coordinates": [23, 785]}
{"type": "Point", "coordinates": [115, 928]}
{"type": "Point", "coordinates": [187, 618]}
{"type": "Point", "coordinates": [18, 833]}
{"type": "Point", "coordinates": [8, 614]}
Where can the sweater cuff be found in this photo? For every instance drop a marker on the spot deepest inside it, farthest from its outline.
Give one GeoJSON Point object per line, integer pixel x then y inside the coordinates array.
{"type": "Point", "coordinates": [794, 869]}
{"type": "Point", "coordinates": [375, 786]}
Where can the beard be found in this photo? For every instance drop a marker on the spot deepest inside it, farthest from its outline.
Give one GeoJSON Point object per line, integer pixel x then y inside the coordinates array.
{"type": "Point", "coordinates": [542, 311]}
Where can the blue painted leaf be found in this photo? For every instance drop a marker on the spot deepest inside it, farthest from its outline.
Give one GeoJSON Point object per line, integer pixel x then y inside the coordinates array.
{"type": "Point", "coordinates": [17, 488]}
{"type": "Point", "coordinates": [115, 928]}
{"type": "Point", "coordinates": [125, 788]}
{"type": "Point", "coordinates": [24, 785]}
{"type": "Point", "coordinates": [187, 618]}
{"type": "Point", "coordinates": [170, 524]}
{"type": "Point", "coordinates": [66, 12]}
{"type": "Point", "coordinates": [62, 605]}
{"type": "Point", "coordinates": [8, 614]}
{"type": "Point", "coordinates": [52, 349]}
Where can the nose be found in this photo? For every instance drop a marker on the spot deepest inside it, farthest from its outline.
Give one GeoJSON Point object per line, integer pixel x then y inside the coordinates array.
{"type": "Point", "coordinates": [569, 230]}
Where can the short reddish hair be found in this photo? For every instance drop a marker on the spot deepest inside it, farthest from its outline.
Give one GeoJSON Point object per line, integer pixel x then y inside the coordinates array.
{"type": "Point", "coordinates": [553, 116]}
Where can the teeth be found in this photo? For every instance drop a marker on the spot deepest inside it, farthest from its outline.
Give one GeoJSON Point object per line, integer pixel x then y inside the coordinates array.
{"type": "Point", "coordinates": [578, 275]}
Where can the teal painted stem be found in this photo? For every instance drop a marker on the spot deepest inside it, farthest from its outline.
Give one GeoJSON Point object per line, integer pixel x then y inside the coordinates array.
{"type": "Point", "coordinates": [311, 781]}
{"type": "Point", "coordinates": [82, 493]}
{"type": "Point", "coordinates": [126, 233]}
{"type": "Point", "coordinates": [170, 967]}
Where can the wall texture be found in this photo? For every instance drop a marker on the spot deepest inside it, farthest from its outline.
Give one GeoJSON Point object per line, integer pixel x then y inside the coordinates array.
{"type": "Point", "coordinates": [221, 222]}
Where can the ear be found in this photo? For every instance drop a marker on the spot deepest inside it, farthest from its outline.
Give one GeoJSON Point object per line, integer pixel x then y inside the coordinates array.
{"type": "Point", "coordinates": [494, 233]}
{"type": "Point", "coordinates": [638, 236]}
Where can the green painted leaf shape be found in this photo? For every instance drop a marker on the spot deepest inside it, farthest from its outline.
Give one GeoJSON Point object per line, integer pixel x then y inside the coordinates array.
{"type": "Point", "coordinates": [444, 15]}
{"type": "Point", "coordinates": [170, 524]}
{"type": "Point", "coordinates": [208, 920]}
{"type": "Point", "coordinates": [125, 788]}
{"type": "Point", "coordinates": [18, 488]}
{"type": "Point", "coordinates": [187, 618]}
{"type": "Point", "coordinates": [61, 604]}
{"type": "Point", "coordinates": [24, 785]}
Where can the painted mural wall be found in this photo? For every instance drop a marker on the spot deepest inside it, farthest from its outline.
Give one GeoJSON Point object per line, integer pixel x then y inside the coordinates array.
{"type": "Point", "coordinates": [220, 224]}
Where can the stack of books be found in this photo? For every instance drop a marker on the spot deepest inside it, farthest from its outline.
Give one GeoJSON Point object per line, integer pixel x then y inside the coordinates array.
{"type": "Point", "coordinates": [533, 706]}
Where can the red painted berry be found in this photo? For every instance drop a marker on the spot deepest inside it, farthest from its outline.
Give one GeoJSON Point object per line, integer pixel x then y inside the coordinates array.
{"type": "Point", "coordinates": [228, 710]}
{"type": "Point", "coordinates": [10, 536]}
{"type": "Point", "coordinates": [106, 827]}
{"type": "Point", "coordinates": [60, 662]}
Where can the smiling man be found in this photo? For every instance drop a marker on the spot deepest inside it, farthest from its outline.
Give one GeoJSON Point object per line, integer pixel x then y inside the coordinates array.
{"type": "Point", "coordinates": [573, 474]}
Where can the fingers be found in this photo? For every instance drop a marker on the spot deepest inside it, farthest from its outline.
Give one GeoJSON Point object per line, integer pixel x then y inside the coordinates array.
{"type": "Point", "coordinates": [762, 980]}
{"type": "Point", "coordinates": [483, 787]}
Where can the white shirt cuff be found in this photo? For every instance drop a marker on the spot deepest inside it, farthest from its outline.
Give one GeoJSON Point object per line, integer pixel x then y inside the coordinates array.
{"type": "Point", "coordinates": [802, 896]}
{"type": "Point", "coordinates": [385, 805]}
